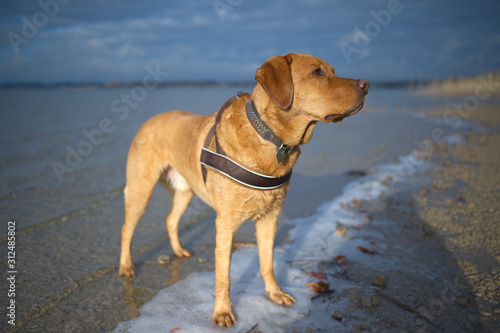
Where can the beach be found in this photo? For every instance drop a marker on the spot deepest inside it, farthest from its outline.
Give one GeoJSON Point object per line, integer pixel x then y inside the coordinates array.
{"type": "Point", "coordinates": [462, 208]}
{"type": "Point", "coordinates": [407, 224]}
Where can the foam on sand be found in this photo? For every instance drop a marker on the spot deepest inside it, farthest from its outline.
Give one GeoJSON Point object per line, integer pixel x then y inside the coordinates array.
{"type": "Point", "coordinates": [319, 246]}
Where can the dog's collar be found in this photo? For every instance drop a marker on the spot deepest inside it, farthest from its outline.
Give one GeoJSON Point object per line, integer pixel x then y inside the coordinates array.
{"type": "Point", "coordinates": [266, 133]}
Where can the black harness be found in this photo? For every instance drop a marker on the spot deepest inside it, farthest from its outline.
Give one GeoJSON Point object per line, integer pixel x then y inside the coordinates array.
{"type": "Point", "coordinates": [219, 162]}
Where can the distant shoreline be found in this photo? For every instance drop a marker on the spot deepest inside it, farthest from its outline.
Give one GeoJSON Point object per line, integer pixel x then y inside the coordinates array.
{"type": "Point", "coordinates": [176, 85]}
{"type": "Point", "coordinates": [121, 85]}
{"type": "Point", "coordinates": [486, 83]}
{"type": "Point", "coordinates": [443, 87]}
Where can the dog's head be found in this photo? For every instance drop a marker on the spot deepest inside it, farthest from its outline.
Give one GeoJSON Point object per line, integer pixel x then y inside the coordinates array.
{"type": "Point", "coordinates": [309, 85]}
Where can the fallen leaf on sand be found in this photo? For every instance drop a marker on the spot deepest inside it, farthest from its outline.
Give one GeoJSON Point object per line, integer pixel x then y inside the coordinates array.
{"type": "Point", "coordinates": [318, 275]}
{"type": "Point", "coordinates": [365, 250]}
{"type": "Point", "coordinates": [319, 287]}
{"type": "Point", "coordinates": [356, 202]}
{"type": "Point", "coordinates": [341, 260]}
{"type": "Point", "coordinates": [337, 318]}
{"type": "Point", "coordinates": [387, 180]}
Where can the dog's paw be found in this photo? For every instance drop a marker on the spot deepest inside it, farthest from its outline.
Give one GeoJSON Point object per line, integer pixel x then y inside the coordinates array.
{"type": "Point", "coordinates": [182, 253]}
{"type": "Point", "coordinates": [224, 319]}
{"type": "Point", "coordinates": [223, 314]}
{"type": "Point", "coordinates": [281, 297]}
{"type": "Point", "coordinates": [126, 270]}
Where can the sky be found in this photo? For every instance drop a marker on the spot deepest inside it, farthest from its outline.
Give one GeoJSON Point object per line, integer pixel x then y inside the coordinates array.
{"type": "Point", "coordinates": [84, 41]}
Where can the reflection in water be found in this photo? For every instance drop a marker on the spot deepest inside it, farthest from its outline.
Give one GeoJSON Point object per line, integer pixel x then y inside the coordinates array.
{"type": "Point", "coordinates": [174, 269]}
{"type": "Point", "coordinates": [133, 296]}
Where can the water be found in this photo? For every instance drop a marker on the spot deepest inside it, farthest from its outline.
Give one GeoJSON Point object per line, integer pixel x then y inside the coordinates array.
{"type": "Point", "coordinates": [50, 165]}
{"type": "Point", "coordinates": [62, 162]}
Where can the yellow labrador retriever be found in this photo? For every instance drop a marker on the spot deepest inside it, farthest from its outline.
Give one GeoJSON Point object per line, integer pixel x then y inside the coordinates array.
{"type": "Point", "coordinates": [238, 161]}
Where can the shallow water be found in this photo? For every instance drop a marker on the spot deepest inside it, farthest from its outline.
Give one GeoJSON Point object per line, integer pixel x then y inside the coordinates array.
{"type": "Point", "coordinates": [69, 147]}
{"type": "Point", "coordinates": [62, 182]}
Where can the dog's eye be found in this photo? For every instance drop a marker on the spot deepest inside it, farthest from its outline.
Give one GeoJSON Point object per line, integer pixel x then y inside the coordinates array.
{"type": "Point", "coordinates": [319, 72]}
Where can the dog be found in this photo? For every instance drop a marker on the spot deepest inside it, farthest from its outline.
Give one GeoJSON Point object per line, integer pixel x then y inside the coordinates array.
{"type": "Point", "coordinates": [258, 135]}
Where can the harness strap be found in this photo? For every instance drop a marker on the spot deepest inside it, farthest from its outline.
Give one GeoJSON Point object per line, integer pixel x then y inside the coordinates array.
{"type": "Point", "coordinates": [210, 135]}
{"type": "Point", "coordinates": [219, 162]}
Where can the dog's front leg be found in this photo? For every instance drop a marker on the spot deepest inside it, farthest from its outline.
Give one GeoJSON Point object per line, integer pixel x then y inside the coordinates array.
{"type": "Point", "coordinates": [265, 233]}
{"type": "Point", "coordinates": [223, 308]}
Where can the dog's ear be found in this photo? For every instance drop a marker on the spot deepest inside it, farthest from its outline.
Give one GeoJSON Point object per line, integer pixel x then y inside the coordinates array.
{"type": "Point", "coordinates": [276, 78]}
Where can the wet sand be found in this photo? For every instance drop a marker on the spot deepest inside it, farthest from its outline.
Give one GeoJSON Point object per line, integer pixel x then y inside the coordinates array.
{"type": "Point", "coordinates": [462, 206]}
{"type": "Point", "coordinates": [446, 235]}
{"type": "Point", "coordinates": [450, 228]}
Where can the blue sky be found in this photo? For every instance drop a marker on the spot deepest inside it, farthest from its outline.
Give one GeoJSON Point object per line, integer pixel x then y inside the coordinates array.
{"type": "Point", "coordinates": [227, 40]}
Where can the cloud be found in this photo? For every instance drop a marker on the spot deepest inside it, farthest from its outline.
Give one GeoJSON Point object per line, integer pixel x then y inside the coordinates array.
{"type": "Point", "coordinates": [200, 20]}
{"type": "Point", "coordinates": [99, 41]}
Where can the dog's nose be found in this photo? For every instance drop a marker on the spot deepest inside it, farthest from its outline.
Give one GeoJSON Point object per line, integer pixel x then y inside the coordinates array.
{"type": "Point", "coordinates": [363, 85]}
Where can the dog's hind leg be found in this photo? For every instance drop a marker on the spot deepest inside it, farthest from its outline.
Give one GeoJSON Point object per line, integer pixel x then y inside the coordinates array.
{"type": "Point", "coordinates": [181, 195]}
